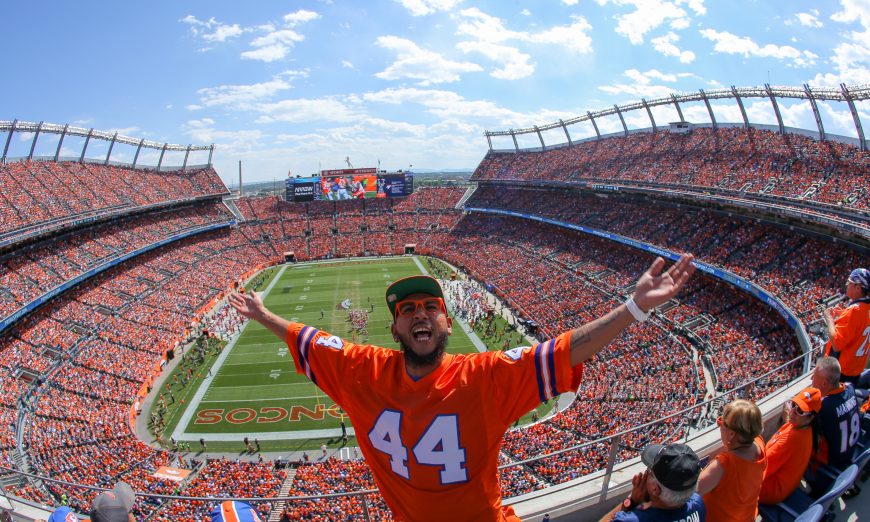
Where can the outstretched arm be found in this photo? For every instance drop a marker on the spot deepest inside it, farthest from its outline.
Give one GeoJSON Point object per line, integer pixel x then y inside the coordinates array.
{"type": "Point", "coordinates": [653, 288]}
{"type": "Point", "coordinates": [251, 305]}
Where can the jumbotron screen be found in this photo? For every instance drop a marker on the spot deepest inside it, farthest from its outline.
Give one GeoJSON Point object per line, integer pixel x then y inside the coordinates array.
{"type": "Point", "coordinates": [342, 184]}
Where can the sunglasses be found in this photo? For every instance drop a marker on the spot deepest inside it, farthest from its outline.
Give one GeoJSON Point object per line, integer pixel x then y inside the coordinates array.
{"type": "Point", "coordinates": [799, 411]}
{"type": "Point", "coordinates": [721, 422]}
{"type": "Point", "coordinates": [431, 305]}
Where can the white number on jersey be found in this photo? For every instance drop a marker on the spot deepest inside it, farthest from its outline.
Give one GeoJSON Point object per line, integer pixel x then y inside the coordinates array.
{"type": "Point", "coordinates": [333, 341]}
{"type": "Point", "coordinates": [863, 347]}
{"type": "Point", "coordinates": [850, 432]}
{"type": "Point", "coordinates": [385, 437]}
{"type": "Point", "coordinates": [438, 446]}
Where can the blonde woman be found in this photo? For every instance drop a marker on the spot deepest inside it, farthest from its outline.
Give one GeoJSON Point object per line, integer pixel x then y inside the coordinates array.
{"type": "Point", "coordinates": [731, 483]}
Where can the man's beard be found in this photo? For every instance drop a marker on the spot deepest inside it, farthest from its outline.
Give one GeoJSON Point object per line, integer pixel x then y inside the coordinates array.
{"type": "Point", "coordinates": [412, 358]}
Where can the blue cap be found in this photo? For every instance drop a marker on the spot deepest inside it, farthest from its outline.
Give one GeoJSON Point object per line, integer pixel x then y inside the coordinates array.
{"type": "Point", "coordinates": [63, 514]}
{"type": "Point", "coordinates": [234, 511]}
{"type": "Point", "coordinates": [862, 277]}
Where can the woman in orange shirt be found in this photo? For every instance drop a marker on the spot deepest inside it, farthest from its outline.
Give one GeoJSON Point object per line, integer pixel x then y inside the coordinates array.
{"type": "Point", "coordinates": [789, 450]}
{"type": "Point", "coordinates": [730, 484]}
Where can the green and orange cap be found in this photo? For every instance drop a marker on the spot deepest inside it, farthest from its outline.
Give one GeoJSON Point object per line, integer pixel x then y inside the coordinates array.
{"type": "Point", "coordinates": [406, 286]}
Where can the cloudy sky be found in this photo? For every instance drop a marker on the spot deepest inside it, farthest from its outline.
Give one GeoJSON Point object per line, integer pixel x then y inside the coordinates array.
{"type": "Point", "coordinates": [303, 85]}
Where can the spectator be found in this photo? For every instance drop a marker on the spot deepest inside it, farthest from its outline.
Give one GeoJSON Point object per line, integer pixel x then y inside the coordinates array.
{"type": "Point", "coordinates": [114, 505]}
{"type": "Point", "coordinates": [666, 490]}
{"type": "Point", "coordinates": [63, 514]}
{"type": "Point", "coordinates": [849, 331]}
{"type": "Point", "coordinates": [416, 387]}
{"type": "Point", "coordinates": [730, 484]}
{"type": "Point", "coordinates": [789, 450]}
{"type": "Point", "coordinates": [839, 419]}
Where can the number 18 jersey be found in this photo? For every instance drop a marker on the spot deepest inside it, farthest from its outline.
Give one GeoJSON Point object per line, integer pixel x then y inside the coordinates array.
{"type": "Point", "coordinates": [433, 443]}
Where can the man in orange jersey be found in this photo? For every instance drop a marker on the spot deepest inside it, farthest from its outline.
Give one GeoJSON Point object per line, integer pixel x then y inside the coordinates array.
{"type": "Point", "coordinates": [429, 423]}
{"type": "Point", "coordinates": [849, 329]}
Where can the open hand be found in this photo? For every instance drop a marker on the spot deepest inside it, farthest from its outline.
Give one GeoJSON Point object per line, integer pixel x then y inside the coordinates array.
{"type": "Point", "coordinates": [655, 287]}
{"type": "Point", "coordinates": [248, 305]}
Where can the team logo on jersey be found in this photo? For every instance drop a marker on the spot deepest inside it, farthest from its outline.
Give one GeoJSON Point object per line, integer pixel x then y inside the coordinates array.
{"type": "Point", "coordinates": [516, 354]}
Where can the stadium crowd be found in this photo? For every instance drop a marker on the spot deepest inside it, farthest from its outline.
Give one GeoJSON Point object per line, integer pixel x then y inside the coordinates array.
{"type": "Point", "coordinates": [95, 346]}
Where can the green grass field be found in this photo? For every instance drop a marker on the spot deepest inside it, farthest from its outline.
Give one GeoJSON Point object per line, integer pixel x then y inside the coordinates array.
{"type": "Point", "coordinates": [255, 391]}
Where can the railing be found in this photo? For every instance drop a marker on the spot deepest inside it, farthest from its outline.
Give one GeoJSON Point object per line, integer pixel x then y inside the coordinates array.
{"type": "Point", "coordinates": [698, 415]}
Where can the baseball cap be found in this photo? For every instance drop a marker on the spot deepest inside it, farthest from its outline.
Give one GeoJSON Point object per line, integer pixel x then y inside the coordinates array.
{"type": "Point", "coordinates": [675, 466]}
{"type": "Point", "coordinates": [406, 286]}
{"type": "Point", "coordinates": [861, 276]}
{"type": "Point", "coordinates": [63, 514]}
{"type": "Point", "coordinates": [809, 399]}
{"type": "Point", "coordinates": [234, 511]}
{"type": "Point", "coordinates": [113, 505]}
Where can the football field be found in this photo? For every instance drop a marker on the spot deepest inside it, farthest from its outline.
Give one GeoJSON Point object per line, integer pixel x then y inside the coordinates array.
{"type": "Point", "coordinates": [254, 390]}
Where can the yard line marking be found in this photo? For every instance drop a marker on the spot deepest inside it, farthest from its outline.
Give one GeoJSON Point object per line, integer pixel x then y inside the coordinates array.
{"type": "Point", "coordinates": [262, 399]}
{"type": "Point", "coordinates": [216, 367]}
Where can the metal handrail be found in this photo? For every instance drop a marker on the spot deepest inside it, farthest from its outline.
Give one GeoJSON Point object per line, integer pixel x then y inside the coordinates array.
{"type": "Point", "coordinates": [614, 439]}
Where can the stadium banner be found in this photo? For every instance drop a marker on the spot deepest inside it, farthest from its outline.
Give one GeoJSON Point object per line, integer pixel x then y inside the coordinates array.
{"type": "Point", "coordinates": [54, 292]}
{"type": "Point", "coordinates": [395, 185]}
{"type": "Point", "coordinates": [341, 184]}
{"type": "Point", "coordinates": [173, 474]}
{"type": "Point", "coordinates": [302, 189]}
{"type": "Point", "coordinates": [716, 272]}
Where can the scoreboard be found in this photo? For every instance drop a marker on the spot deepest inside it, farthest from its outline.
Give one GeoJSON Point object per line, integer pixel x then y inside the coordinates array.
{"type": "Point", "coordinates": [341, 184]}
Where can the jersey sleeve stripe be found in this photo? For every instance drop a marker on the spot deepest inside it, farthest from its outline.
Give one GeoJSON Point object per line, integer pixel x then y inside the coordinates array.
{"type": "Point", "coordinates": [544, 365]}
{"type": "Point", "coordinates": [551, 362]}
{"type": "Point", "coordinates": [306, 335]}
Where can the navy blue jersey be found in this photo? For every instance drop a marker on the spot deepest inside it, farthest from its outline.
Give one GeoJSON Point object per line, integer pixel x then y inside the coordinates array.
{"type": "Point", "coordinates": [841, 425]}
{"type": "Point", "coordinates": [692, 511]}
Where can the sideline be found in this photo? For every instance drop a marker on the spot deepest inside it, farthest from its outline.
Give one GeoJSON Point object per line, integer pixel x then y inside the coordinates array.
{"type": "Point", "coordinates": [179, 433]}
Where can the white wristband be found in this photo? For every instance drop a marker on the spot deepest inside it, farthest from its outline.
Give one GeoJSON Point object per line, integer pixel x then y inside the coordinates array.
{"type": "Point", "coordinates": [638, 314]}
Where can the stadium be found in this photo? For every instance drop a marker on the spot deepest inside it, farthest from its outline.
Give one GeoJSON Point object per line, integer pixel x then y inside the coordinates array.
{"type": "Point", "coordinates": [115, 274]}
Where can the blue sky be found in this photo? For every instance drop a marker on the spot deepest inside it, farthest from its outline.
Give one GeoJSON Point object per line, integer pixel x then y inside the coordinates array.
{"type": "Point", "coordinates": [299, 86]}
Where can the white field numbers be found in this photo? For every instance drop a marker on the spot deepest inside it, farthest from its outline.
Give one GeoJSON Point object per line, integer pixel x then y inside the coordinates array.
{"type": "Point", "coordinates": [438, 446]}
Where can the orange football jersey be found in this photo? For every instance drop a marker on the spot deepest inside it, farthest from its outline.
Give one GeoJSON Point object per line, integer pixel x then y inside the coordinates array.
{"type": "Point", "coordinates": [433, 444]}
{"type": "Point", "coordinates": [852, 338]}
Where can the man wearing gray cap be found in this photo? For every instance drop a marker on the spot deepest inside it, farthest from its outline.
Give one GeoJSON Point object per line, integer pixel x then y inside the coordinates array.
{"type": "Point", "coordinates": [114, 505]}
{"type": "Point", "coordinates": [665, 492]}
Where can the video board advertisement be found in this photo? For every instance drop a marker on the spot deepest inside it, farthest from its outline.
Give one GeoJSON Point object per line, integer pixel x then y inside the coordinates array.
{"type": "Point", "coordinates": [348, 184]}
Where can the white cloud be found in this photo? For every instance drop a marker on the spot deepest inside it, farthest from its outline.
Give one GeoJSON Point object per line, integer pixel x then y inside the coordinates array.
{"type": "Point", "coordinates": [515, 65]}
{"type": "Point", "coordinates": [305, 110]}
{"type": "Point", "coordinates": [649, 15]}
{"type": "Point", "coordinates": [851, 58]}
{"type": "Point", "coordinates": [347, 65]}
{"type": "Point", "coordinates": [299, 17]}
{"type": "Point", "coordinates": [810, 19]}
{"type": "Point", "coordinates": [728, 43]}
{"type": "Point", "coordinates": [570, 2]}
{"type": "Point", "coordinates": [126, 131]}
{"type": "Point", "coordinates": [526, 12]}
{"type": "Point", "coordinates": [276, 43]}
{"type": "Point", "coordinates": [491, 36]}
{"type": "Point", "coordinates": [419, 64]}
{"type": "Point", "coordinates": [642, 85]}
{"type": "Point", "coordinates": [666, 45]}
{"type": "Point", "coordinates": [426, 7]}
{"type": "Point", "coordinates": [211, 30]}
{"type": "Point", "coordinates": [241, 97]}
{"type": "Point", "coordinates": [222, 32]}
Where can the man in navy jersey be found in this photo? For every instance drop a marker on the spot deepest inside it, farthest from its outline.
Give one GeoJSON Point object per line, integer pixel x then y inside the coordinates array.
{"type": "Point", "coordinates": [839, 419]}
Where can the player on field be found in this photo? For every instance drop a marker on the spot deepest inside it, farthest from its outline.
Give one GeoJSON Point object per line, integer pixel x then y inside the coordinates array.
{"type": "Point", "coordinates": [849, 329]}
{"type": "Point", "coordinates": [430, 423]}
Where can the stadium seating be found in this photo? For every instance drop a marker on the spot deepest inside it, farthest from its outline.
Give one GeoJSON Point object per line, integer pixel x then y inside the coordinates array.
{"type": "Point", "coordinates": [136, 311]}
{"type": "Point", "coordinates": [749, 160]}
{"type": "Point", "coordinates": [47, 194]}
